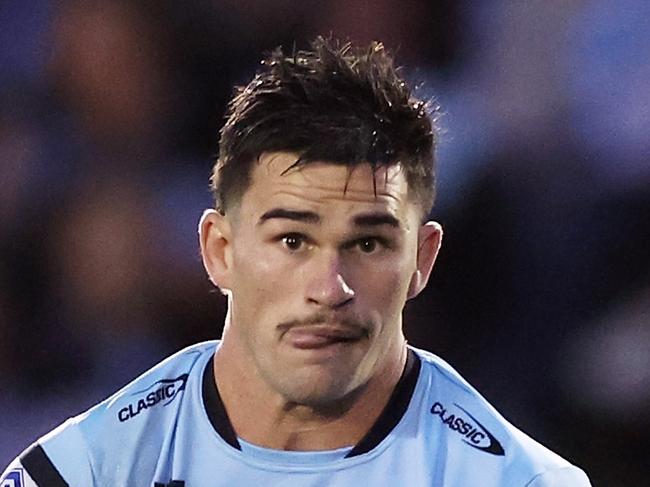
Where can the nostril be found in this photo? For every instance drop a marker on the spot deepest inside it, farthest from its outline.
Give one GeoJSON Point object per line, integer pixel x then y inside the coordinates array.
{"type": "Point", "coordinates": [343, 303]}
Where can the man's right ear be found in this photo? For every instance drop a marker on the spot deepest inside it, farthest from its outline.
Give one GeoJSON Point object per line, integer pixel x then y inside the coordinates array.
{"type": "Point", "coordinates": [215, 237]}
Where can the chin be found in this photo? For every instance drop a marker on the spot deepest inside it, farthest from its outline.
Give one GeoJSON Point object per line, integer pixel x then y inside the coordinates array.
{"type": "Point", "coordinates": [320, 393]}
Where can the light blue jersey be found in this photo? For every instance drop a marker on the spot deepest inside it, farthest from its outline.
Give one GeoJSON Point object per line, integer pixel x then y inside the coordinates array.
{"type": "Point", "coordinates": [169, 428]}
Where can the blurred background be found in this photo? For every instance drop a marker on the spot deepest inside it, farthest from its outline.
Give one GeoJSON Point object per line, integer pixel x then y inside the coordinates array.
{"type": "Point", "coordinates": [109, 118]}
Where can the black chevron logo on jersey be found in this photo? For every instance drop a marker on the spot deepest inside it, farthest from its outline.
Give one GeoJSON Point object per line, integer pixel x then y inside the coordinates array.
{"type": "Point", "coordinates": [473, 432]}
{"type": "Point", "coordinates": [161, 392]}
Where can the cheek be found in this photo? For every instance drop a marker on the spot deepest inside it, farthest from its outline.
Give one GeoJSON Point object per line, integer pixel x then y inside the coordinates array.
{"type": "Point", "coordinates": [259, 279]}
{"type": "Point", "coordinates": [257, 293]}
{"type": "Point", "coordinates": [386, 285]}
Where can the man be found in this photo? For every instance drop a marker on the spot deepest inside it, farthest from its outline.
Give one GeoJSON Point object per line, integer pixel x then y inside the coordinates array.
{"type": "Point", "coordinates": [322, 185]}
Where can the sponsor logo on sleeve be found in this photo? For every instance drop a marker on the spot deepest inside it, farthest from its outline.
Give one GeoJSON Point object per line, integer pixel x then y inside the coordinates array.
{"type": "Point", "coordinates": [160, 393]}
{"type": "Point", "coordinates": [14, 478]}
{"type": "Point", "coordinates": [469, 428]}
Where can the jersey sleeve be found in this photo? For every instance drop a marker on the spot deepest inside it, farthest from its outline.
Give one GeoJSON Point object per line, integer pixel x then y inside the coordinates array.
{"type": "Point", "coordinates": [32, 469]}
{"type": "Point", "coordinates": [560, 477]}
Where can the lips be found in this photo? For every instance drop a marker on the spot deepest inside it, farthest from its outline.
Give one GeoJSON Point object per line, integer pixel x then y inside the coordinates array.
{"type": "Point", "coordinates": [315, 336]}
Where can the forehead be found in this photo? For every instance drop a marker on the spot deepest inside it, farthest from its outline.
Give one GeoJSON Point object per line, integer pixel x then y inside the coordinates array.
{"type": "Point", "coordinates": [319, 183]}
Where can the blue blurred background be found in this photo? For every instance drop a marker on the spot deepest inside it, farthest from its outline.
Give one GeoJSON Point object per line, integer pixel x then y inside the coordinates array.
{"type": "Point", "coordinates": [109, 114]}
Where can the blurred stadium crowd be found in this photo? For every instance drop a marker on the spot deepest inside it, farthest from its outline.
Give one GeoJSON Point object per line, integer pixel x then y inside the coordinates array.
{"type": "Point", "coordinates": [109, 115]}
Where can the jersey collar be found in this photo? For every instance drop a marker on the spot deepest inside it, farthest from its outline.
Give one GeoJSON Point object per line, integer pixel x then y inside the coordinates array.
{"type": "Point", "coordinates": [387, 420]}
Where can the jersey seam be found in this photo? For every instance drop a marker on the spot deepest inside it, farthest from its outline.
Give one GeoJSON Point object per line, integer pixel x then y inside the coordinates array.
{"type": "Point", "coordinates": [539, 475]}
{"type": "Point", "coordinates": [87, 452]}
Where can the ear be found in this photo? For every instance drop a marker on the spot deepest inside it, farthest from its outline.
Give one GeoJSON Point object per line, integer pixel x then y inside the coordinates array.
{"type": "Point", "coordinates": [429, 240]}
{"type": "Point", "coordinates": [215, 236]}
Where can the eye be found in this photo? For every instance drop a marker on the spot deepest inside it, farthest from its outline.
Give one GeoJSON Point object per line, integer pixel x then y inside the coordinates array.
{"type": "Point", "coordinates": [367, 245]}
{"type": "Point", "coordinates": [293, 241]}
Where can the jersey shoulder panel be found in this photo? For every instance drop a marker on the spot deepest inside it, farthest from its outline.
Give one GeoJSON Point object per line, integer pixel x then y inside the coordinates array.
{"type": "Point", "coordinates": [126, 434]}
{"type": "Point", "coordinates": [476, 433]}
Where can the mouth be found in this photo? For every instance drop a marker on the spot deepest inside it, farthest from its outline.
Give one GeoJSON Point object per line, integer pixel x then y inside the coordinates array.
{"type": "Point", "coordinates": [314, 337]}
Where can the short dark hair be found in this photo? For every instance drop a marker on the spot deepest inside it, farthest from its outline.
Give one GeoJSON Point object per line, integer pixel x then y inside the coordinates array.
{"type": "Point", "coordinates": [334, 103]}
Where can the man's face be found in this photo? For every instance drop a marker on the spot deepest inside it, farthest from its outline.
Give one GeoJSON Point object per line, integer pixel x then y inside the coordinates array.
{"type": "Point", "coordinates": [318, 268]}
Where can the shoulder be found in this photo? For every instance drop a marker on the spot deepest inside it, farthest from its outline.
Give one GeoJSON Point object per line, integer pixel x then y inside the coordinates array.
{"type": "Point", "coordinates": [152, 391]}
{"type": "Point", "coordinates": [476, 434]}
{"type": "Point", "coordinates": [131, 424]}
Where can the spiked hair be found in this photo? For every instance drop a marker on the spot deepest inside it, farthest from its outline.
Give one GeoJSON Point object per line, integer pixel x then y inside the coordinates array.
{"type": "Point", "coordinates": [334, 103]}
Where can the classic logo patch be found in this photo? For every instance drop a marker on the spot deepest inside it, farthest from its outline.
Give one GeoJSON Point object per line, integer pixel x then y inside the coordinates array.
{"type": "Point", "coordinates": [164, 391]}
{"type": "Point", "coordinates": [14, 478]}
{"type": "Point", "coordinates": [472, 431]}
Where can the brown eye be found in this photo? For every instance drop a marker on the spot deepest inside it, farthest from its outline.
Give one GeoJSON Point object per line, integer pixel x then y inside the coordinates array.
{"type": "Point", "coordinates": [293, 241]}
{"type": "Point", "coordinates": [367, 245]}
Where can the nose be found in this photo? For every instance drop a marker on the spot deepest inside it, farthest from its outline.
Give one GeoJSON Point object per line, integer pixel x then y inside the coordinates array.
{"type": "Point", "coordinates": [326, 285]}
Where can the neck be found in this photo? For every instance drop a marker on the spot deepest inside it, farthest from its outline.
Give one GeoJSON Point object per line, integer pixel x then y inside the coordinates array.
{"type": "Point", "coordinates": [263, 417]}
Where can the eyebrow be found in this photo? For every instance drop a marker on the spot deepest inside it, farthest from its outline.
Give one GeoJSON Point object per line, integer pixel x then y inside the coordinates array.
{"type": "Point", "coordinates": [295, 215]}
{"type": "Point", "coordinates": [376, 219]}
{"type": "Point", "coordinates": [362, 220]}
